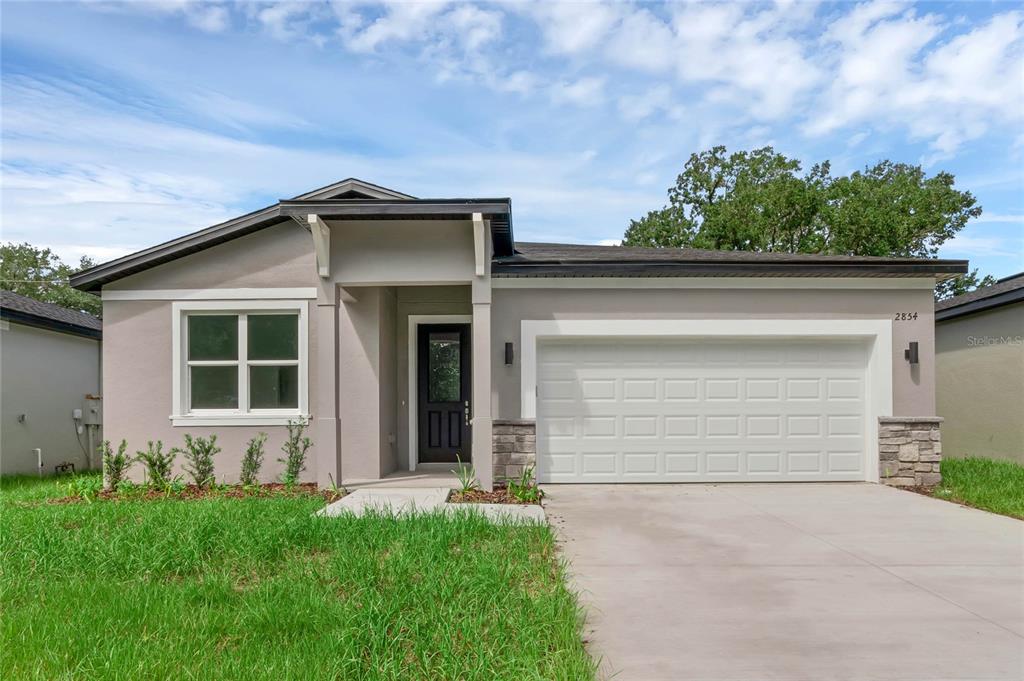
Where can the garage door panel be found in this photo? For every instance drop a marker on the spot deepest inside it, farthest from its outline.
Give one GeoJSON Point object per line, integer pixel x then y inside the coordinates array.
{"type": "Point", "coordinates": [688, 410]}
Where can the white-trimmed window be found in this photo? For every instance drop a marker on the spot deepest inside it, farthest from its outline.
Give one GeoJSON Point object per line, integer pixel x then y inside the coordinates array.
{"type": "Point", "coordinates": [240, 362]}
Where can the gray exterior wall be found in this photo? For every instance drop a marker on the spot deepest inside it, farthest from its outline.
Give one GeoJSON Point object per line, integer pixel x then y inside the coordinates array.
{"type": "Point", "coordinates": [980, 383]}
{"type": "Point", "coordinates": [384, 252]}
{"type": "Point", "coordinates": [44, 375]}
{"type": "Point", "coordinates": [913, 387]}
{"type": "Point", "coordinates": [278, 256]}
{"type": "Point", "coordinates": [137, 349]}
{"type": "Point", "coordinates": [366, 380]}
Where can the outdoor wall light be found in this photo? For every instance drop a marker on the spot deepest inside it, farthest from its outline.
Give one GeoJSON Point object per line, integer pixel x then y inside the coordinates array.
{"type": "Point", "coordinates": [509, 354]}
{"type": "Point", "coordinates": [910, 354]}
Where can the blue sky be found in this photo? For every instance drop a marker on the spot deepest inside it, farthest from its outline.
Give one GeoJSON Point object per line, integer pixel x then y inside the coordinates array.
{"type": "Point", "coordinates": [125, 125]}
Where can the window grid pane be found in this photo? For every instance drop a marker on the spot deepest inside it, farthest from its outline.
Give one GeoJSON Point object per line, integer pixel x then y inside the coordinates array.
{"type": "Point", "coordinates": [212, 337]}
{"type": "Point", "coordinates": [273, 336]}
{"type": "Point", "coordinates": [214, 387]}
{"type": "Point", "coordinates": [274, 386]}
{"type": "Point", "coordinates": [242, 362]}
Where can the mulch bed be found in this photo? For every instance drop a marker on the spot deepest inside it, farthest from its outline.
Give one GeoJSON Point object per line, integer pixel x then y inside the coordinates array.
{"type": "Point", "coordinates": [500, 495]}
{"type": "Point", "coordinates": [194, 492]}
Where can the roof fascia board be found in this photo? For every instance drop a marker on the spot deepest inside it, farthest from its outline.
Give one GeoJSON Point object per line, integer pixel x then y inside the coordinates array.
{"type": "Point", "coordinates": [215, 234]}
{"type": "Point", "coordinates": [499, 268]}
{"type": "Point", "coordinates": [712, 282]}
{"type": "Point", "coordinates": [980, 305]}
{"type": "Point", "coordinates": [95, 277]}
{"type": "Point", "coordinates": [375, 208]}
{"type": "Point", "coordinates": [26, 319]}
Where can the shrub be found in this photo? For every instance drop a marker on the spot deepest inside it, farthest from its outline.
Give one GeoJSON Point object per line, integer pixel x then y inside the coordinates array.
{"type": "Point", "coordinates": [466, 476]}
{"type": "Point", "coordinates": [524, 488]}
{"type": "Point", "coordinates": [294, 448]}
{"type": "Point", "coordinates": [85, 486]}
{"type": "Point", "coordinates": [252, 462]}
{"type": "Point", "coordinates": [199, 453]}
{"type": "Point", "coordinates": [115, 466]}
{"type": "Point", "coordinates": [158, 463]}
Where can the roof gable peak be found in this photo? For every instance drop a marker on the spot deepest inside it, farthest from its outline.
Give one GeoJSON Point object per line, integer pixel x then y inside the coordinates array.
{"type": "Point", "coordinates": [353, 188]}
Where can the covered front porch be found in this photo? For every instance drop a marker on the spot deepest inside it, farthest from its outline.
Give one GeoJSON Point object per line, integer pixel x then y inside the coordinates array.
{"type": "Point", "coordinates": [412, 388]}
{"type": "Point", "coordinates": [403, 332]}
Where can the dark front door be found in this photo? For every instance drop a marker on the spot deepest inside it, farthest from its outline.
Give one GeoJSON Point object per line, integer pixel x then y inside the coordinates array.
{"type": "Point", "coordinates": [443, 394]}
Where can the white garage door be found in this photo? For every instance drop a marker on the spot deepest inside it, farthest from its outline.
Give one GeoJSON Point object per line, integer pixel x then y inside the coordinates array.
{"type": "Point", "coordinates": [674, 410]}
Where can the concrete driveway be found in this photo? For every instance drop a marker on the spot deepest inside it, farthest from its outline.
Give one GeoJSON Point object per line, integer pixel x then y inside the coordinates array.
{"type": "Point", "coordinates": [793, 581]}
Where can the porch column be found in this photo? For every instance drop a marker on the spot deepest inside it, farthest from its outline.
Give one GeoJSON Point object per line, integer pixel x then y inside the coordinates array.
{"type": "Point", "coordinates": [324, 409]}
{"type": "Point", "coordinates": [483, 461]}
{"type": "Point", "coordinates": [482, 457]}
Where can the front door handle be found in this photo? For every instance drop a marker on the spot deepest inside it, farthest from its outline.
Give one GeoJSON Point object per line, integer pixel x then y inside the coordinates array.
{"type": "Point", "coordinates": [466, 412]}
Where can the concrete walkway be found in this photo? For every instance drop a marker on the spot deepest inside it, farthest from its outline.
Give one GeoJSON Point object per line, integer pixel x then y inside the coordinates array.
{"type": "Point", "coordinates": [399, 500]}
{"type": "Point", "coordinates": [793, 582]}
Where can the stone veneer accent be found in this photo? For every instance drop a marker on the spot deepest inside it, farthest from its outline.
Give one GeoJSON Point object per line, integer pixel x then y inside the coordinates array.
{"type": "Point", "coordinates": [909, 450]}
{"type": "Point", "coordinates": [514, 444]}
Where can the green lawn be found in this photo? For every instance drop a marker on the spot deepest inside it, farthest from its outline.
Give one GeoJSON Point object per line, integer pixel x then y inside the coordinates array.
{"type": "Point", "coordinates": [257, 588]}
{"type": "Point", "coordinates": [996, 486]}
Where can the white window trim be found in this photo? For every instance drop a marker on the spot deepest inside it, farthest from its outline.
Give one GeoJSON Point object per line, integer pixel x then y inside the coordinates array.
{"type": "Point", "coordinates": [241, 416]}
{"type": "Point", "coordinates": [878, 332]}
{"type": "Point", "coordinates": [414, 423]}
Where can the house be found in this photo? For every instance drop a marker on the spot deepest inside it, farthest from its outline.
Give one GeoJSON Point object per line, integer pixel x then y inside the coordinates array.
{"type": "Point", "coordinates": [979, 358]}
{"type": "Point", "coordinates": [414, 331]}
{"type": "Point", "coordinates": [50, 378]}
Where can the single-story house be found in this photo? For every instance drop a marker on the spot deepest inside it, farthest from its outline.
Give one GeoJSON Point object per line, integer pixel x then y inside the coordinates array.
{"type": "Point", "coordinates": [979, 360]}
{"type": "Point", "coordinates": [413, 331]}
{"type": "Point", "coordinates": [49, 386]}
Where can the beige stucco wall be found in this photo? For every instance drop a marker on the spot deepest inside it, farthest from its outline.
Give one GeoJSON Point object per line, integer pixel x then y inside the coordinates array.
{"type": "Point", "coordinates": [418, 252]}
{"type": "Point", "coordinates": [137, 348]}
{"type": "Point", "coordinates": [279, 256]}
{"type": "Point", "coordinates": [980, 383]}
{"type": "Point", "coordinates": [44, 375]}
{"type": "Point", "coordinates": [913, 388]}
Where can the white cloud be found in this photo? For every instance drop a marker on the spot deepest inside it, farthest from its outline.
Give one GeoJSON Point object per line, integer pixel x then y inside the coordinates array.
{"type": "Point", "coordinates": [583, 92]}
{"type": "Point", "coordinates": [974, 246]}
{"type": "Point", "coordinates": [999, 217]}
{"type": "Point", "coordinates": [570, 28]}
{"type": "Point", "coordinates": [657, 99]}
{"type": "Point", "coordinates": [892, 71]}
{"type": "Point", "coordinates": [211, 17]}
{"type": "Point", "coordinates": [400, 21]}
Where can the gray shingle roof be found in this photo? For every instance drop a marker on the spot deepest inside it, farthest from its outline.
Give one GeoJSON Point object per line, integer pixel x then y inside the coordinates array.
{"type": "Point", "coordinates": [1006, 290]}
{"type": "Point", "coordinates": [28, 309]}
{"type": "Point", "coordinates": [542, 259]}
{"type": "Point", "coordinates": [544, 252]}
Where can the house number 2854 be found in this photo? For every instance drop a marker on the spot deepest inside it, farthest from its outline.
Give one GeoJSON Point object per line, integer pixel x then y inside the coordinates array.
{"type": "Point", "coordinates": [905, 317]}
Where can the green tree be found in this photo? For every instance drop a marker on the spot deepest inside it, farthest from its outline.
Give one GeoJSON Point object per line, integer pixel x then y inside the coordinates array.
{"type": "Point", "coordinates": [38, 273]}
{"type": "Point", "coordinates": [963, 284]}
{"type": "Point", "coordinates": [761, 201]}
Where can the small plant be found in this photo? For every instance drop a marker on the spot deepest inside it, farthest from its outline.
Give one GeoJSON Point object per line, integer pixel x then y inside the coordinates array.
{"type": "Point", "coordinates": [199, 453]}
{"type": "Point", "coordinates": [466, 476]}
{"type": "Point", "coordinates": [85, 486]}
{"type": "Point", "coordinates": [115, 466]}
{"type": "Point", "coordinates": [294, 448]}
{"type": "Point", "coordinates": [334, 489]}
{"type": "Point", "coordinates": [523, 488]}
{"type": "Point", "coordinates": [158, 464]}
{"type": "Point", "coordinates": [252, 461]}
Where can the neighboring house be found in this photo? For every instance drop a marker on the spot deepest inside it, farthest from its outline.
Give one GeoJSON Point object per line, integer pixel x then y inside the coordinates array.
{"type": "Point", "coordinates": [979, 345]}
{"type": "Point", "coordinates": [49, 368]}
{"type": "Point", "coordinates": [410, 331]}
